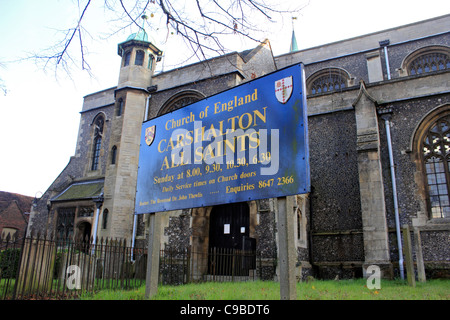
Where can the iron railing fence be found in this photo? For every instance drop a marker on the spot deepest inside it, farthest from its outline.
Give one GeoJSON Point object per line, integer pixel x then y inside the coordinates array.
{"type": "Point", "coordinates": [52, 268]}
{"type": "Point", "coordinates": [38, 267]}
{"type": "Point", "coordinates": [218, 264]}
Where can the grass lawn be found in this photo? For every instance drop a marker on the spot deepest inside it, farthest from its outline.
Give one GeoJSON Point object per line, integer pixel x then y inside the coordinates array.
{"type": "Point", "coordinates": [269, 290]}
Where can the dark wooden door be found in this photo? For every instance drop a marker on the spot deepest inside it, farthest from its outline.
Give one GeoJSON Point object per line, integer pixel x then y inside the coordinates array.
{"type": "Point", "coordinates": [228, 225]}
{"type": "Point", "coordinates": [228, 235]}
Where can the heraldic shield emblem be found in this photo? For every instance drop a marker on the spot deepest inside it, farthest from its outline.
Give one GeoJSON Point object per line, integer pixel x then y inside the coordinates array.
{"type": "Point", "coordinates": [150, 135]}
{"type": "Point", "coordinates": [283, 89]}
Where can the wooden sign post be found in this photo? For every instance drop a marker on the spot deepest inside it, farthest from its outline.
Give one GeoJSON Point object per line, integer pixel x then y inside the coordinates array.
{"type": "Point", "coordinates": [154, 240]}
{"type": "Point", "coordinates": [287, 254]}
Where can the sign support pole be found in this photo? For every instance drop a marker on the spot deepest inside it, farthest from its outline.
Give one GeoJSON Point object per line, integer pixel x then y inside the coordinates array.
{"type": "Point", "coordinates": [287, 255]}
{"type": "Point", "coordinates": [154, 240]}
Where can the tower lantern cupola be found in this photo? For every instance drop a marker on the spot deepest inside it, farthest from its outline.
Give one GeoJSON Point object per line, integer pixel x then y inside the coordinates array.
{"type": "Point", "coordinates": [139, 57]}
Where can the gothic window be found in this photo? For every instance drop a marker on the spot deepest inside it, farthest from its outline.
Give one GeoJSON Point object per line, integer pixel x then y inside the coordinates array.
{"type": "Point", "coordinates": [427, 59]}
{"type": "Point", "coordinates": [139, 61]}
{"type": "Point", "coordinates": [181, 100]}
{"type": "Point", "coordinates": [98, 134]}
{"type": "Point", "coordinates": [436, 159]}
{"type": "Point", "coordinates": [300, 221]}
{"type": "Point", "coordinates": [126, 59]}
{"type": "Point", "coordinates": [85, 212]}
{"type": "Point", "coordinates": [429, 62]}
{"type": "Point", "coordinates": [113, 155]}
{"type": "Point", "coordinates": [328, 80]}
{"type": "Point", "coordinates": [65, 223]}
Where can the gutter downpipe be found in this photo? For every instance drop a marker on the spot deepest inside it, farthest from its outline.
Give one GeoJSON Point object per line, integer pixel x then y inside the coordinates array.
{"type": "Point", "coordinates": [146, 106]}
{"type": "Point", "coordinates": [98, 203]}
{"type": "Point", "coordinates": [384, 44]}
{"type": "Point", "coordinates": [133, 239]}
{"type": "Point", "coordinates": [386, 117]}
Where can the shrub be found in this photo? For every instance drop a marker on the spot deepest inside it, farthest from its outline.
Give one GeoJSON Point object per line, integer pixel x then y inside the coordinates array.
{"type": "Point", "coordinates": [9, 262]}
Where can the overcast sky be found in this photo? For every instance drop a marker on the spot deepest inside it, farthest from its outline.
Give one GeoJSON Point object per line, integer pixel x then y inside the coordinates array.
{"type": "Point", "coordinates": [39, 115]}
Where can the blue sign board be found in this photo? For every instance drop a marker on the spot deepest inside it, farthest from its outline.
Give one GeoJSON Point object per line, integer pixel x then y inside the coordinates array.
{"type": "Point", "coordinates": [246, 143]}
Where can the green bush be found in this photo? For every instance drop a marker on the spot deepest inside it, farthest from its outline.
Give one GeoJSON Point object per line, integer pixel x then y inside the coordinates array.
{"type": "Point", "coordinates": [9, 263]}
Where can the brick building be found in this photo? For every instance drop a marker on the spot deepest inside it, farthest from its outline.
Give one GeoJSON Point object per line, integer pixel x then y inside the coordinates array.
{"type": "Point", "coordinates": [14, 215]}
{"type": "Point", "coordinates": [379, 133]}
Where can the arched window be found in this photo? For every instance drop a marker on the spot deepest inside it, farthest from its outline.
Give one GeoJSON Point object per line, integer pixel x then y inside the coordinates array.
{"type": "Point", "coordinates": [427, 59]}
{"type": "Point", "coordinates": [105, 219]}
{"type": "Point", "coordinates": [328, 80]}
{"type": "Point", "coordinates": [436, 160]}
{"type": "Point", "coordinates": [113, 155]}
{"type": "Point", "coordinates": [120, 107]}
{"type": "Point", "coordinates": [127, 58]}
{"type": "Point", "coordinates": [181, 100]}
{"type": "Point", "coordinates": [98, 134]}
{"type": "Point", "coordinates": [139, 61]}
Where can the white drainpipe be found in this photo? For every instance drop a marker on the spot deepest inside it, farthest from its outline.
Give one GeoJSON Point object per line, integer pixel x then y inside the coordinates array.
{"type": "Point", "coordinates": [133, 239]}
{"type": "Point", "coordinates": [387, 123]}
{"type": "Point", "coordinates": [384, 44]}
{"type": "Point", "coordinates": [98, 203]}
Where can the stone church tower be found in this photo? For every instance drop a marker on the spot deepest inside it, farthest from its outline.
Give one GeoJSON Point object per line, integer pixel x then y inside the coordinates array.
{"type": "Point", "coordinates": [138, 63]}
{"type": "Point", "coordinates": [103, 170]}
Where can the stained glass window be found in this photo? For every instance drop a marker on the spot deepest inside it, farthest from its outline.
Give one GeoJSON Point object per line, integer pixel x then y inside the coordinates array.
{"type": "Point", "coordinates": [436, 153]}
{"type": "Point", "coordinates": [429, 62]}
{"type": "Point", "coordinates": [327, 80]}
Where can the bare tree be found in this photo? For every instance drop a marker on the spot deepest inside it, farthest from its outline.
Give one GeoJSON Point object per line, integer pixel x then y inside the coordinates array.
{"type": "Point", "coordinates": [202, 24]}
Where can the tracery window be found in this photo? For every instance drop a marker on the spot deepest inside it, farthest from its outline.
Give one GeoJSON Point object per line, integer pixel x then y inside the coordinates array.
{"type": "Point", "coordinates": [429, 62]}
{"type": "Point", "coordinates": [427, 59]}
{"type": "Point", "coordinates": [436, 159]}
{"type": "Point", "coordinates": [86, 212]}
{"type": "Point", "coordinates": [328, 80]}
{"type": "Point", "coordinates": [98, 134]}
{"type": "Point", "coordinates": [180, 100]}
{"type": "Point", "coordinates": [65, 223]}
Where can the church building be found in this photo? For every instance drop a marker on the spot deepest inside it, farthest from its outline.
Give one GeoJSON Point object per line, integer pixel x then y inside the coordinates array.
{"type": "Point", "coordinates": [379, 142]}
